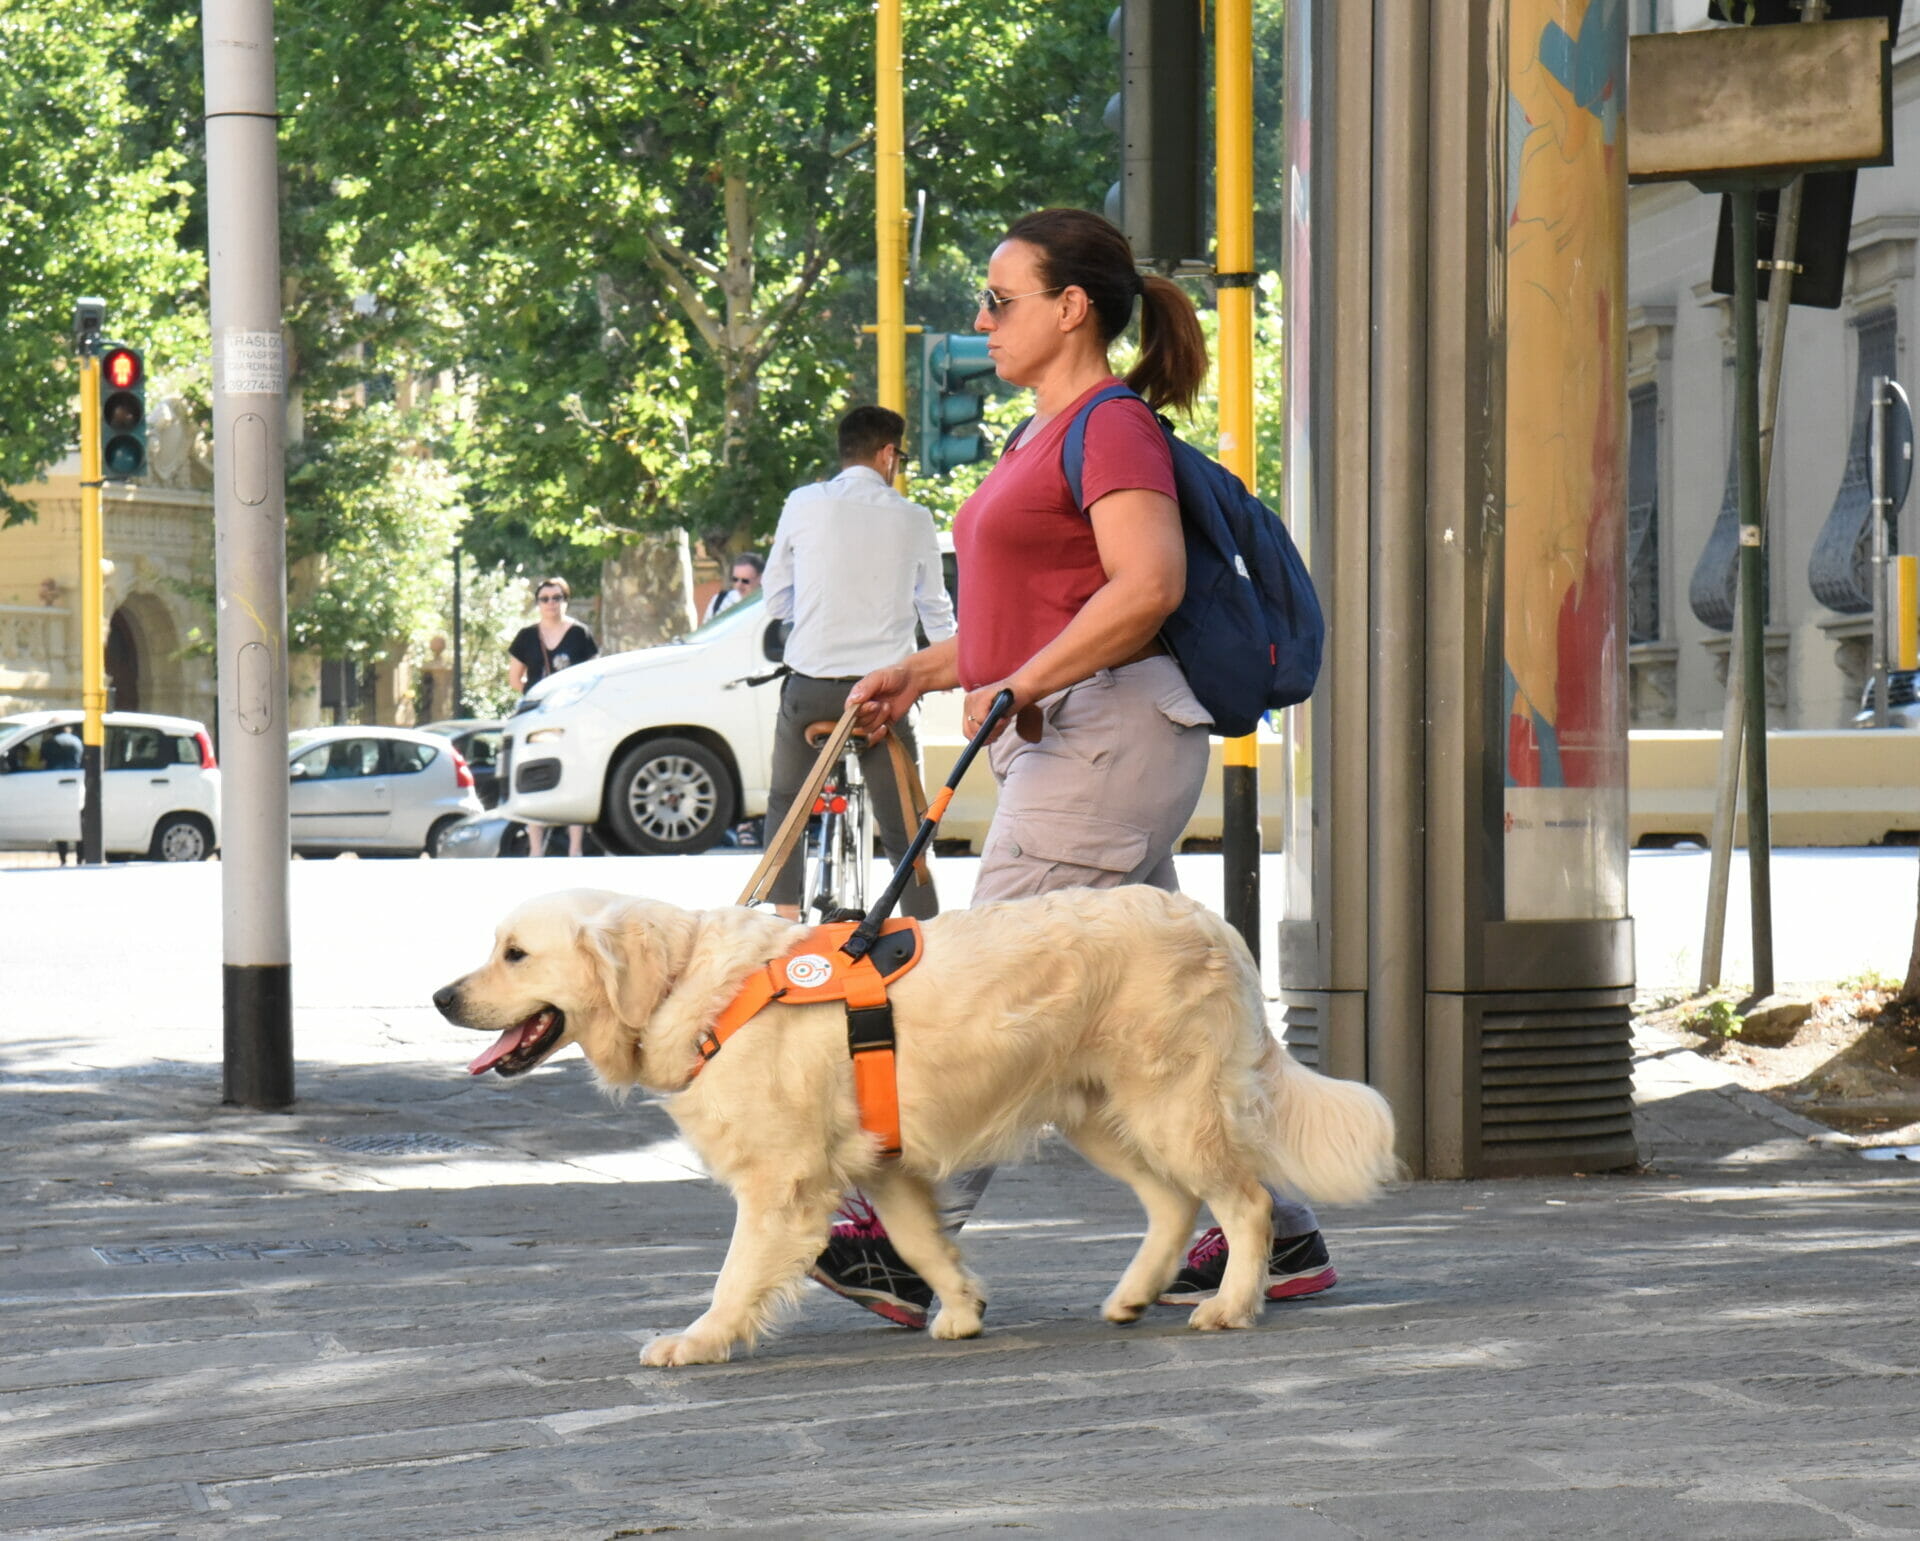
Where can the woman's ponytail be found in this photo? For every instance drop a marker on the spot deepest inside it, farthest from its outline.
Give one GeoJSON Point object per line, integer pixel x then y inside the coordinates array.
{"type": "Point", "coordinates": [1173, 351]}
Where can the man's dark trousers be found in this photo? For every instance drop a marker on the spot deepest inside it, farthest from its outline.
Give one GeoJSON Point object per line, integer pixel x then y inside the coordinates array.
{"type": "Point", "coordinates": [805, 700]}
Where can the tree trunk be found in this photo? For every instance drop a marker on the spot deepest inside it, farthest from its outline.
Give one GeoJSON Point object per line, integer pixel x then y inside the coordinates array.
{"type": "Point", "coordinates": [1910, 991]}
{"type": "Point", "coordinates": [646, 593]}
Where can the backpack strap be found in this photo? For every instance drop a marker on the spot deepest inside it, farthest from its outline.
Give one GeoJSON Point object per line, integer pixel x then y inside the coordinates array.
{"type": "Point", "coordinates": [1073, 448]}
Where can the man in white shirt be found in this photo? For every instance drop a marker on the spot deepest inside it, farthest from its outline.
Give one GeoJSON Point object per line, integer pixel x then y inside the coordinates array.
{"type": "Point", "coordinates": [854, 565]}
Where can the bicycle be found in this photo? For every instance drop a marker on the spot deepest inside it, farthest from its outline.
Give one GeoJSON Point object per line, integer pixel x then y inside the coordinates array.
{"type": "Point", "coordinates": [838, 855]}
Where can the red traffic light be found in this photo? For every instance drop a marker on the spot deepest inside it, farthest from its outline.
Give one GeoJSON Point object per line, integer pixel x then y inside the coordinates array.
{"type": "Point", "coordinates": [122, 369]}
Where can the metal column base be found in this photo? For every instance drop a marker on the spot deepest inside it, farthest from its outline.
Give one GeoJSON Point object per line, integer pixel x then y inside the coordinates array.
{"type": "Point", "coordinates": [1529, 1083]}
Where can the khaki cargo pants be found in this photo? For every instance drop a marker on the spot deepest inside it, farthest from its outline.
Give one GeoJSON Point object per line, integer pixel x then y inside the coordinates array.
{"type": "Point", "coordinates": [1102, 798]}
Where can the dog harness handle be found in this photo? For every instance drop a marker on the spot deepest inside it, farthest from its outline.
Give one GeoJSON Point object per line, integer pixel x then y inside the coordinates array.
{"type": "Point", "coordinates": [817, 968]}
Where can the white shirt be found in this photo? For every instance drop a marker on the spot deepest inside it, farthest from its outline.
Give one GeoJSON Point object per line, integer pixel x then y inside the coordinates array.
{"type": "Point", "coordinates": [853, 565]}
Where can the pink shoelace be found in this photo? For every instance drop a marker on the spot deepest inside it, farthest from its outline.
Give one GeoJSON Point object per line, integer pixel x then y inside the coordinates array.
{"type": "Point", "coordinates": [1208, 1247]}
{"type": "Point", "coordinates": [860, 1222]}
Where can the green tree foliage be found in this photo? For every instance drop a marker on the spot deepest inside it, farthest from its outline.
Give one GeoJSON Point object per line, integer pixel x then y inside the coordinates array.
{"type": "Point", "coordinates": [651, 224]}
{"type": "Point", "coordinates": [376, 510]}
{"type": "Point", "coordinates": [90, 204]}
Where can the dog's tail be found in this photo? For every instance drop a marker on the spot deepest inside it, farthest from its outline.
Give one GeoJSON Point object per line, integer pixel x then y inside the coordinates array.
{"type": "Point", "coordinates": [1329, 1140]}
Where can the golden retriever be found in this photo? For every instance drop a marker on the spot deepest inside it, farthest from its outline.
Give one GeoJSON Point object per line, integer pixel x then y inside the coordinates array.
{"type": "Point", "coordinates": [1130, 1019]}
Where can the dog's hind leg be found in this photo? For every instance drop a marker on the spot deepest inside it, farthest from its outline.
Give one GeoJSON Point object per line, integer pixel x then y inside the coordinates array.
{"type": "Point", "coordinates": [773, 1242]}
{"type": "Point", "coordinates": [907, 1208]}
{"type": "Point", "coordinates": [1245, 1213]}
{"type": "Point", "coordinates": [1170, 1211]}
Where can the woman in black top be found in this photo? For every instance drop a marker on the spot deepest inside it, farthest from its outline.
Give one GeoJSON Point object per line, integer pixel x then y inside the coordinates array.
{"type": "Point", "coordinates": [552, 643]}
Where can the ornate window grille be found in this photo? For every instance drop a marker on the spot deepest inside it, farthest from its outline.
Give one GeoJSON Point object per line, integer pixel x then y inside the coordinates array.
{"type": "Point", "coordinates": [1840, 571]}
{"type": "Point", "coordinates": [1643, 513]}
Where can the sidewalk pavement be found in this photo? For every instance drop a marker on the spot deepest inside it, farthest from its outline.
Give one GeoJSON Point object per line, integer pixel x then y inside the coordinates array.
{"type": "Point", "coordinates": [413, 1306]}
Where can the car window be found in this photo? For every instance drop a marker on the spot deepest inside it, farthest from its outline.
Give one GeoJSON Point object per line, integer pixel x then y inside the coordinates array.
{"type": "Point", "coordinates": [186, 751]}
{"type": "Point", "coordinates": [312, 764]}
{"type": "Point", "coordinates": [40, 751]}
{"type": "Point", "coordinates": [137, 748]}
{"type": "Point", "coordinates": [335, 761]}
{"type": "Point", "coordinates": [727, 619]}
{"type": "Point", "coordinates": [482, 748]}
{"type": "Point", "coordinates": [409, 757]}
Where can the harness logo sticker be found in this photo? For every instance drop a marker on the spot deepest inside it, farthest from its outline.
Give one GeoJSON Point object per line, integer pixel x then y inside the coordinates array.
{"type": "Point", "coordinates": [808, 970]}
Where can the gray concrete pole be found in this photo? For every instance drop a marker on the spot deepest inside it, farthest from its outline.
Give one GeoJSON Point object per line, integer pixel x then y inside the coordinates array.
{"type": "Point", "coordinates": [1397, 668]}
{"type": "Point", "coordinates": [250, 547]}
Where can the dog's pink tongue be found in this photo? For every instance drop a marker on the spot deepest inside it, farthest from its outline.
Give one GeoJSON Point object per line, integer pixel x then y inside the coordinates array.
{"type": "Point", "coordinates": [507, 1042]}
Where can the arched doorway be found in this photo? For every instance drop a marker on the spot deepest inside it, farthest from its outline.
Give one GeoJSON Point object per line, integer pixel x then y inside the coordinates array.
{"type": "Point", "coordinates": [123, 664]}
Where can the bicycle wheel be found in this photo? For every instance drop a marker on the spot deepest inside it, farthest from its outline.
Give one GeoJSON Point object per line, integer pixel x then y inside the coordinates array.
{"type": "Point", "coordinates": [856, 849]}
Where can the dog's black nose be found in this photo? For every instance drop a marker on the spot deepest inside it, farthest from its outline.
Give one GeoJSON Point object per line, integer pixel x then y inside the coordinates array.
{"type": "Point", "coordinates": [444, 997]}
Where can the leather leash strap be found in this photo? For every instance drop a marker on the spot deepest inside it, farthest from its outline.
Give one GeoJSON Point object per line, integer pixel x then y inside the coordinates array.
{"type": "Point", "coordinates": [906, 781]}
{"type": "Point", "coordinates": [800, 811]}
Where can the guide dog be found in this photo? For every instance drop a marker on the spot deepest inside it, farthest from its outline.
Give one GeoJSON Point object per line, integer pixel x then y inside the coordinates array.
{"type": "Point", "coordinates": [1130, 1019]}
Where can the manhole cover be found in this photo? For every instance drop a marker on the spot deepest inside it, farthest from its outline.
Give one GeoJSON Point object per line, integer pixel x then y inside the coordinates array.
{"type": "Point", "coordinates": [276, 1251]}
{"type": "Point", "coordinates": [400, 1144]}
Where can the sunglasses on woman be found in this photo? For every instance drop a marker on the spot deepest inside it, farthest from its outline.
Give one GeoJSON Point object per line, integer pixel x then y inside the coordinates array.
{"type": "Point", "coordinates": [993, 303]}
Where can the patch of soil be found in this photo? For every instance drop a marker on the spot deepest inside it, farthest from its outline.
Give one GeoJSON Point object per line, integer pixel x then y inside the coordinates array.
{"type": "Point", "coordinates": [1854, 1065]}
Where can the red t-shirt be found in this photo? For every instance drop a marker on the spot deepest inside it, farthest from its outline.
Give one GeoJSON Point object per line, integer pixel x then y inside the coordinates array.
{"type": "Point", "coordinates": [1028, 560]}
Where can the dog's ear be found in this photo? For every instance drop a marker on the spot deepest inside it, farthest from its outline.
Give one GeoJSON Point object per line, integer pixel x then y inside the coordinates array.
{"type": "Point", "coordinates": [634, 960]}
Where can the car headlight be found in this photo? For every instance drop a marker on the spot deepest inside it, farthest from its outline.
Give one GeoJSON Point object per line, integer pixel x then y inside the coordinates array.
{"type": "Point", "coordinates": [561, 697]}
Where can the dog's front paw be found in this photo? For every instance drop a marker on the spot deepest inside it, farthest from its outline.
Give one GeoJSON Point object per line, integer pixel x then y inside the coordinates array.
{"type": "Point", "coordinates": [1120, 1311]}
{"type": "Point", "coordinates": [1215, 1316]}
{"type": "Point", "coordinates": [684, 1348]}
{"type": "Point", "coordinates": [959, 1320]}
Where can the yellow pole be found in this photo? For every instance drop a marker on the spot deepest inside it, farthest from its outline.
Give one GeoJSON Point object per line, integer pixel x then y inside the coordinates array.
{"type": "Point", "coordinates": [93, 671]}
{"type": "Point", "coordinates": [1233, 276]}
{"type": "Point", "coordinates": [890, 205]}
{"type": "Point", "coordinates": [1906, 634]}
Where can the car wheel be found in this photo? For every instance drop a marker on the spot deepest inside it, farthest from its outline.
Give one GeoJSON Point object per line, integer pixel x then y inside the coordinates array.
{"type": "Point", "coordinates": [437, 833]}
{"type": "Point", "coordinates": [669, 797]}
{"type": "Point", "coordinates": [181, 837]}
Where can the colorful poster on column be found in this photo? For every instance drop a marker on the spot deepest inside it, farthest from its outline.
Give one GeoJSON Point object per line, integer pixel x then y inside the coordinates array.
{"type": "Point", "coordinates": [1565, 631]}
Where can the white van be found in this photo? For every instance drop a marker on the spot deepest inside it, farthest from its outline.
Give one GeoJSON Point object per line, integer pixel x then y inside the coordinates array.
{"type": "Point", "coordinates": [665, 748]}
{"type": "Point", "coordinates": [159, 785]}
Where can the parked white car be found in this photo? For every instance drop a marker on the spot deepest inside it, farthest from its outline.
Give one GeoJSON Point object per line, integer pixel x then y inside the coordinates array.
{"type": "Point", "coordinates": [159, 785]}
{"type": "Point", "coordinates": [375, 790]}
{"type": "Point", "coordinates": [664, 748]}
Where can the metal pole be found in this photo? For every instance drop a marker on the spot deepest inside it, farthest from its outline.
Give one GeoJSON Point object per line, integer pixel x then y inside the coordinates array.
{"type": "Point", "coordinates": [459, 678]}
{"type": "Point", "coordinates": [249, 416]}
{"type": "Point", "coordinates": [890, 206]}
{"type": "Point", "coordinates": [1877, 483]}
{"type": "Point", "coordinates": [1786, 244]}
{"type": "Point", "coordinates": [1234, 280]}
{"type": "Point", "coordinates": [1396, 695]}
{"type": "Point", "coordinates": [93, 664]}
{"type": "Point", "coordinates": [1746, 286]}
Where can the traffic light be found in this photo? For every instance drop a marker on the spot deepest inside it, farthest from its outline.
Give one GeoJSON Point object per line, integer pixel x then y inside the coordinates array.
{"type": "Point", "coordinates": [1159, 113]}
{"type": "Point", "coordinates": [123, 413]}
{"type": "Point", "coordinates": [956, 376]}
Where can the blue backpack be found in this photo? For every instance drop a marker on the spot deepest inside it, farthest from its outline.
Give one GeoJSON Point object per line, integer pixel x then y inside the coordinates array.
{"type": "Point", "coordinates": [1249, 632]}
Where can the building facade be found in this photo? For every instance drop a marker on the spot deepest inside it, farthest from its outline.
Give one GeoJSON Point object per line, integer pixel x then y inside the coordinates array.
{"type": "Point", "coordinates": [1682, 495]}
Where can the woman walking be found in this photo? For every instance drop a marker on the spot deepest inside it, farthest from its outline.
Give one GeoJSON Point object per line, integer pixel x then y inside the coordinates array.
{"type": "Point", "coordinates": [1061, 603]}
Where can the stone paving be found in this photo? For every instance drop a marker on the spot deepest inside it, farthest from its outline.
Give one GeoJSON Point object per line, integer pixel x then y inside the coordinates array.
{"type": "Point", "coordinates": [413, 1305]}
{"type": "Point", "coordinates": [219, 1320]}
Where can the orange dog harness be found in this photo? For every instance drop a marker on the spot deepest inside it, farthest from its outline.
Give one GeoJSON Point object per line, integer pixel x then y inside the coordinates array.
{"type": "Point", "coordinates": [815, 969]}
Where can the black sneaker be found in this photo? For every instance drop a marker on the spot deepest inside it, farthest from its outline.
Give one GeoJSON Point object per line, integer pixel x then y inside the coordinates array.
{"type": "Point", "coordinates": [861, 1264]}
{"type": "Point", "coordinates": [1297, 1266]}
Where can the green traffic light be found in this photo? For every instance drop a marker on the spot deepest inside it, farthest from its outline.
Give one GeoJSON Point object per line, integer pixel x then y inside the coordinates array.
{"type": "Point", "coordinates": [956, 375]}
